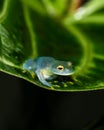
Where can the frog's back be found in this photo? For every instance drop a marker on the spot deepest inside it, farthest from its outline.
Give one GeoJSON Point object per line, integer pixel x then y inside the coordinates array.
{"type": "Point", "coordinates": [44, 62]}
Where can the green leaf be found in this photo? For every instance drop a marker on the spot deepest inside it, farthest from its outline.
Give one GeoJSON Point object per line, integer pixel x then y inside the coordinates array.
{"type": "Point", "coordinates": [33, 28]}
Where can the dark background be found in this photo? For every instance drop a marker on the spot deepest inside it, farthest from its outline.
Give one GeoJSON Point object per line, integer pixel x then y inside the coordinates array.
{"type": "Point", "coordinates": [24, 106]}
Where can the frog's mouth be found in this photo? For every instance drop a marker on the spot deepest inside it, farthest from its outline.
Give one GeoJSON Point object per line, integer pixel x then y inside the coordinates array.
{"type": "Point", "coordinates": [65, 73]}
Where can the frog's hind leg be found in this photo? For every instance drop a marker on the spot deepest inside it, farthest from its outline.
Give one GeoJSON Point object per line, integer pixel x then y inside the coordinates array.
{"type": "Point", "coordinates": [41, 78]}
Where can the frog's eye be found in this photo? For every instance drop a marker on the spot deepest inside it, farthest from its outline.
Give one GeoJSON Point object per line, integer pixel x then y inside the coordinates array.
{"type": "Point", "coordinates": [60, 67]}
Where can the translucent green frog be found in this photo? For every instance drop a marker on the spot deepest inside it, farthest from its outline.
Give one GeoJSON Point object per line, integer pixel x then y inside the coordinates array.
{"type": "Point", "coordinates": [48, 68]}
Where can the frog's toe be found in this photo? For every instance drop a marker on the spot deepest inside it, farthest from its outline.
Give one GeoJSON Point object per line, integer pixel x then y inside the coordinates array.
{"type": "Point", "coordinates": [46, 83]}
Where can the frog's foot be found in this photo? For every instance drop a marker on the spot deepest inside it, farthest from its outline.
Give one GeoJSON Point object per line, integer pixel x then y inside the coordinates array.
{"type": "Point", "coordinates": [46, 83]}
{"type": "Point", "coordinates": [33, 75]}
{"type": "Point", "coordinates": [24, 71]}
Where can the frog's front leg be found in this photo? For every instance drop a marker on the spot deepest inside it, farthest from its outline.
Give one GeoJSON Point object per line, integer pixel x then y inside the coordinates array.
{"type": "Point", "coordinates": [41, 78]}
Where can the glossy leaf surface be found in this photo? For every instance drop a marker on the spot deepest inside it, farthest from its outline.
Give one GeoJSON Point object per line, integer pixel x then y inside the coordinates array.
{"type": "Point", "coordinates": [33, 28]}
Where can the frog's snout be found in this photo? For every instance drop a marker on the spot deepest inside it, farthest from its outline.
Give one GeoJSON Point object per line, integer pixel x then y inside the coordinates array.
{"type": "Point", "coordinates": [67, 72]}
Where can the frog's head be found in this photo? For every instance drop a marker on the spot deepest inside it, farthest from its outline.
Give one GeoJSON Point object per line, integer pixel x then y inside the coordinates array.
{"type": "Point", "coordinates": [28, 65]}
{"type": "Point", "coordinates": [62, 68]}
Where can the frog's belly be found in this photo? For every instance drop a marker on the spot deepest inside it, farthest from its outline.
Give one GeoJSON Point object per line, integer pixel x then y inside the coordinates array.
{"type": "Point", "coordinates": [48, 75]}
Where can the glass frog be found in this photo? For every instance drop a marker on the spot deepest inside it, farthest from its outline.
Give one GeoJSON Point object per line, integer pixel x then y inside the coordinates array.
{"type": "Point", "coordinates": [47, 68]}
